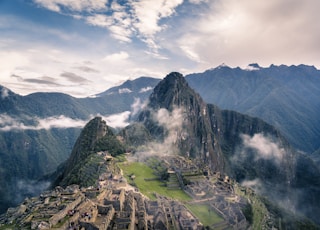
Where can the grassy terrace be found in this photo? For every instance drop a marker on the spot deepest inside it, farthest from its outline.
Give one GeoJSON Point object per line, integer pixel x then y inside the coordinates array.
{"type": "Point", "coordinates": [148, 188]}
{"type": "Point", "coordinates": [206, 215]}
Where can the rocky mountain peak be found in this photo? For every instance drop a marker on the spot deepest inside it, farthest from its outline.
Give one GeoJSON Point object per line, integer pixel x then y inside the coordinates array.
{"type": "Point", "coordinates": [172, 91]}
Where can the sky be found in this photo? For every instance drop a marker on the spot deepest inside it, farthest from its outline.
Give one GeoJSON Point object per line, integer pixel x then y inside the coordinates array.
{"type": "Point", "coordinates": [83, 47]}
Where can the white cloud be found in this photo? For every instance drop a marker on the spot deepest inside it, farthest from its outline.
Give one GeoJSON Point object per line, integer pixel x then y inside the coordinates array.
{"type": "Point", "coordinates": [125, 90]}
{"type": "Point", "coordinates": [116, 57]}
{"type": "Point", "coordinates": [145, 89]}
{"type": "Point", "coordinates": [137, 106]}
{"type": "Point", "coordinates": [140, 17]}
{"type": "Point", "coordinates": [255, 184]}
{"type": "Point", "coordinates": [8, 123]}
{"type": "Point", "coordinates": [172, 122]}
{"type": "Point", "coordinates": [78, 5]}
{"type": "Point", "coordinates": [4, 92]}
{"type": "Point", "coordinates": [99, 20]}
{"type": "Point", "coordinates": [265, 148]}
{"type": "Point", "coordinates": [197, 1]}
{"type": "Point", "coordinates": [147, 15]}
{"type": "Point", "coordinates": [119, 120]}
{"type": "Point", "coordinates": [242, 32]}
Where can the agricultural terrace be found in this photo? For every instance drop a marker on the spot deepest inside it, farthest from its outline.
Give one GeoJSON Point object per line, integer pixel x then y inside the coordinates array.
{"type": "Point", "coordinates": [143, 177]}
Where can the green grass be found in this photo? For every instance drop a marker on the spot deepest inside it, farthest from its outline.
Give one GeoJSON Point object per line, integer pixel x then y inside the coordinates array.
{"type": "Point", "coordinates": [206, 217]}
{"type": "Point", "coordinates": [148, 188]}
{"type": "Point", "coordinates": [7, 227]}
{"type": "Point", "coordinates": [120, 158]}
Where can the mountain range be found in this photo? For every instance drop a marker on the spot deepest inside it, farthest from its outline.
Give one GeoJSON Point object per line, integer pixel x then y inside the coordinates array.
{"type": "Point", "coordinates": [287, 97]}
{"type": "Point", "coordinates": [177, 122]}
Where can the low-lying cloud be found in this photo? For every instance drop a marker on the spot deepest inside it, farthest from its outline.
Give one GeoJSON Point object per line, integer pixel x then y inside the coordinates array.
{"type": "Point", "coordinates": [119, 120]}
{"type": "Point", "coordinates": [4, 93]}
{"type": "Point", "coordinates": [255, 184]}
{"type": "Point", "coordinates": [145, 89]}
{"type": "Point", "coordinates": [265, 148]}
{"type": "Point", "coordinates": [172, 122]}
{"type": "Point", "coordinates": [137, 106]}
{"type": "Point", "coordinates": [8, 123]}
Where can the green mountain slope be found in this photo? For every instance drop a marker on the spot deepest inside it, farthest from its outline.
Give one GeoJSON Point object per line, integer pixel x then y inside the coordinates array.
{"type": "Point", "coordinates": [82, 167]}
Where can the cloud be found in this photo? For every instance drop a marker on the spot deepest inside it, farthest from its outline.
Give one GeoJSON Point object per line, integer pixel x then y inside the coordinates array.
{"type": "Point", "coordinates": [197, 1]}
{"type": "Point", "coordinates": [242, 32]}
{"type": "Point", "coordinates": [41, 80]}
{"type": "Point", "coordinates": [255, 184]}
{"type": "Point", "coordinates": [145, 89]}
{"type": "Point", "coordinates": [137, 106]}
{"type": "Point", "coordinates": [149, 13]}
{"type": "Point", "coordinates": [119, 120]}
{"type": "Point", "coordinates": [125, 90]}
{"type": "Point", "coordinates": [87, 69]}
{"type": "Point", "coordinates": [8, 123]}
{"type": "Point", "coordinates": [115, 57]}
{"type": "Point", "coordinates": [78, 5]}
{"type": "Point", "coordinates": [172, 122]}
{"type": "Point", "coordinates": [4, 92]}
{"type": "Point", "coordinates": [28, 188]}
{"type": "Point", "coordinates": [265, 148]}
{"type": "Point", "coordinates": [141, 18]}
{"type": "Point", "coordinates": [74, 77]}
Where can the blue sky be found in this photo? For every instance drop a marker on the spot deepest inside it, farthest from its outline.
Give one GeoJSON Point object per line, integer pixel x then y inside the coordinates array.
{"type": "Point", "coordinates": [83, 47]}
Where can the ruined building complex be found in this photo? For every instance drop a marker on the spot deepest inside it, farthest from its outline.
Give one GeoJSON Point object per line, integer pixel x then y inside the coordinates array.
{"type": "Point", "coordinates": [113, 204]}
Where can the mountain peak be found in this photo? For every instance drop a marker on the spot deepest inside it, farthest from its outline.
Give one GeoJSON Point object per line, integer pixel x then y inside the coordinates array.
{"type": "Point", "coordinates": [96, 136]}
{"type": "Point", "coordinates": [253, 66]}
{"type": "Point", "coordinates": [171, 91]}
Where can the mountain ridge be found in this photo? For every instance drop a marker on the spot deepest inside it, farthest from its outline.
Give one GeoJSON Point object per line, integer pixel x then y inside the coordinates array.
{"type": "Point", "coordinates": [219, 142]}
{"type": "Point", "coordinates": [245, 148]}
{"type": "Point", "coordinates": [301, 123]}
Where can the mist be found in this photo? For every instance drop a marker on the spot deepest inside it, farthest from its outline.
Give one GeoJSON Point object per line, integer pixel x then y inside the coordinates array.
{"type": "Point", "coordinates": [271, 177]}
{"type": "Point", "coordinates": [119, 120]}
{"type": "Point", "coordinates": [264, 148]}
{"type": "Point", "coordinates": [172, 122]}
{"type": "Point", "coordinates": [8, 123]}
{"type": "Point", "coordinates": [4, 93]}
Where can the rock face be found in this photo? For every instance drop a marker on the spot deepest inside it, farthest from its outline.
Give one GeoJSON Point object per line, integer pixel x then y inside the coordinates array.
{"type": "Point", "coordinates": [193, 133]}
{"type": "Point", "coordinates": [204, 131]}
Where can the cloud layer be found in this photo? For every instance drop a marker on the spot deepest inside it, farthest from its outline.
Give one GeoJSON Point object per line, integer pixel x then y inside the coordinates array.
{"type": "Point", "coordinates": [8, 123]}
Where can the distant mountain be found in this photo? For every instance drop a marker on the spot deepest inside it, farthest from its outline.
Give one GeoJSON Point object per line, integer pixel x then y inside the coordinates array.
{"type": "Point", "coordinates": [137, 87]}
{"type": "Point", "coordinates": [285, 96]}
